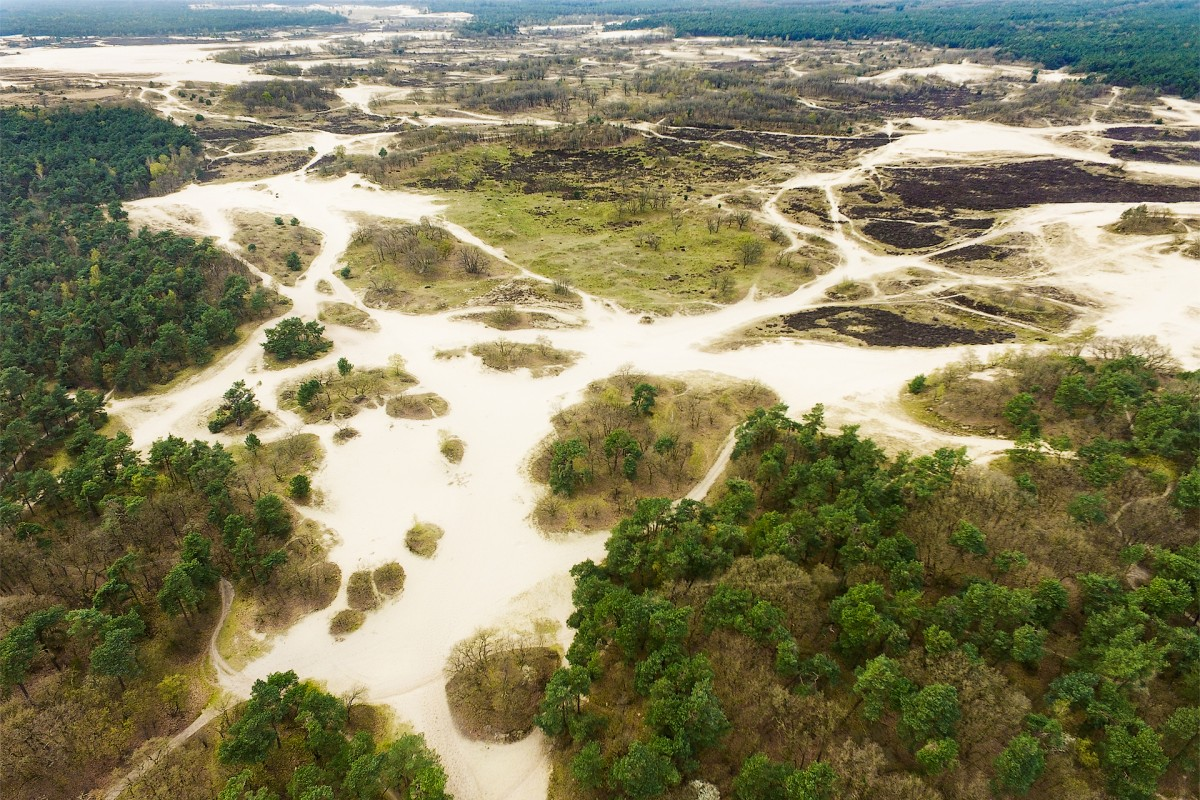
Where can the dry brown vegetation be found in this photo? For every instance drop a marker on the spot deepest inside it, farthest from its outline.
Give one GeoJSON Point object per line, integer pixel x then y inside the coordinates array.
{"type": "Point", "coordinates": [269, 466]}
{"type": "Point", "coordinates": [337, 396]}
{"type": "Point", "coordinates": [418, 268]}
{"type": "Point", "coordinates": [451, 447]}
{"type": "Point", "coordinates": [494, 684]}
{"type": "Point", "coordinates": [346, 621]}
{"type": "Point", "coordinates": [347, 316]}
{"type": "Point", "coordinates": [540, 358]}
{"type": "Point", "coordinates": [422, 405]}
{"type": "Point", "coordinates": [366, 590]}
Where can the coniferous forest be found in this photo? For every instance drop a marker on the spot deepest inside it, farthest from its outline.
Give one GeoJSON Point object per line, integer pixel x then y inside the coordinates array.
{"type": "Point", "coordinates": [844, 624]}
{"type": "Point", "coordinates": [86, 300]}
{"type": "Point", "coordinates": [1128, 43]}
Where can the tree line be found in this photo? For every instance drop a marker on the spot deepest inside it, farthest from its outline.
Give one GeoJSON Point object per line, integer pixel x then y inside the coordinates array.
{"type": "Point", "coordinates": [146, 18]}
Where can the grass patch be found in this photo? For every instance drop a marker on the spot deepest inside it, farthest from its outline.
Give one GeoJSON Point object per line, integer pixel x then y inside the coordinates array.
{"type": "Point", "coordinates": [531, 292]}
{"type": "Point", "coordinates": [419, 269]}
{"type": "Point", "coordinates": [274, 243]}
{"type": "Point", "coordinates": [347, 316]}
{"type": "Point", "coordinates": [665, 241]}
{"type": "Point", "coordinates": [656, 261]}
{"type": "Point", "coordinates": [346, 621]}
{"type": "Point", "coordinates": [268, 467]}
{"type": "Point", "coordinates": [360, 591]}
{"type": "Point", "coordinates": [424, 405]}
{"type": "Point", "coordinates": [540, 358]}
{"type": "Point", "coordinates": [848, 290]}
{"type": "Point", "coordinates": [610, 450]}
{"type": "Point", "coordinates": [509, 318]}
{"type": "Point", "coordinates": [333, 395]}
{"type": "Point", "coordinates": [344, 435]}
{"type": "Point", "coordinates": [1013, 304]}
{"type": "Point", "coordinates": [494, 684]}
{"type": "Point", "coordinates": [451, 447]}
{"type": "Point", "coordinates": [422, 539]}
{"type": "Point", "coordinates": [389, 579]}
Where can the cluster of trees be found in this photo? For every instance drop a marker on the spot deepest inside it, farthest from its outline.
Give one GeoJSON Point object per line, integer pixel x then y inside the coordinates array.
{"type": "Point", "coordinates": [839, 623]}
{"type": "Point", "coordinates": [634, 436]}
{"type": "Point", "coordinates": [293, 738]}
{"type": "Point", "coordinates": [281, 94]}
{"type": "Point", "coordinates": [1130, 43]}
{"type": "Point", "coordinates": [87, 302]}
{"type": "Point", "coordinates": [146, 18]}
{"type": "Point", "coordinates": [727, 98]}
{"type": "Point", "coordinates": [513, 96]}
{"type": "Point", "coordinates": [295, 339]}
{"type": "Point", "coordinates": [421, 248]}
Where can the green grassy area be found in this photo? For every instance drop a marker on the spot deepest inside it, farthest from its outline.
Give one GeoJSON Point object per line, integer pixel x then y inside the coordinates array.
{"type": "Point", "coordinates": [274, 239]}
{"type": "Point", "coordinates": [656, 261]}
{"type": "Point", "coordinates": [419, 269]}
{"type": "Point", "coordinates": [655, 225]}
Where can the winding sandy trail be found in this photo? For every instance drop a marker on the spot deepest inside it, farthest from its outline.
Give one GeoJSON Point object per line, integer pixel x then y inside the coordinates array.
{"type": "Point", "coordinates": [149, 760]}
{"type": "Point", "coordinates": [493, 568]}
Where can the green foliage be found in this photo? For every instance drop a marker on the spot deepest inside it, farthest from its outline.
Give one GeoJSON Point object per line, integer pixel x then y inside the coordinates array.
{"type": "Point", "coordinates": [1128, 44]}
{"type": "Point", "coordinates": [110, 309]}
{"type": "Point", "coordinates": [1132, 761]}
{"type": "Point", "coordinates": [930, 713]}
{"type": "Point", "coordinates": [238, 404]}
{"type": "Point", "coordinates": [565, 475]}
{"type": "Point", "coordinates": [294, 339]}
{"type": "Point", "coordinates": [969, 539]}
{"type": "Point", "coordinates": [643, 399]}
{"type": "Point", "coordinates": [307, 392]}
{"type": "Point", "coordinates": [1019, 765]}
{"type": "Point", "coordinates": [143, 18]}
{"type": "Point", "coordinates": [938, 756]}
{"type": "Point", "coordinates": [645, 771]}
{"type": "Point", "coordinates": [299, 487]}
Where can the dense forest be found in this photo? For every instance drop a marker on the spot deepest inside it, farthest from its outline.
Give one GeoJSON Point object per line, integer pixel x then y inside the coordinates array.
{"type": "Point", "coordinates": [145, 18]}
{"type": "Point", "coordinates": [843, 624]}
{"type": "Point", "coordinates": [1128, 43]}
{"type": "Point", "coordinates": [86, 301]}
